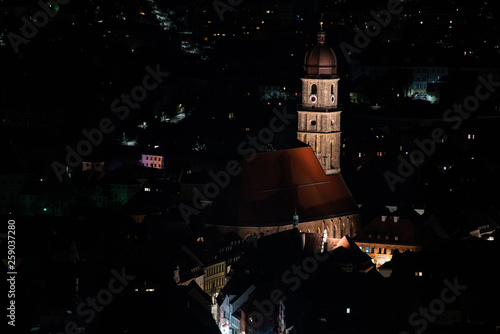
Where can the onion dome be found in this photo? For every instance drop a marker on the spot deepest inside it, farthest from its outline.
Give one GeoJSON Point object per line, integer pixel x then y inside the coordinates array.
{"type": "Point", "coordinates": [321, 60]}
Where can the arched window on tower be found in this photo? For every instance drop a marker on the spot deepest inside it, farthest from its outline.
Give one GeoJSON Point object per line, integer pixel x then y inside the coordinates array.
{"type": "Point", "coordinates": [314, 89]}
{"type": "Point", "coordinates": [331, 89]}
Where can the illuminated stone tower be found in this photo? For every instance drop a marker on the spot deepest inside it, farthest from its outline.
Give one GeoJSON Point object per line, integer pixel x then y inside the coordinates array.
{"type": "Point", "coordinates": [319, 113]}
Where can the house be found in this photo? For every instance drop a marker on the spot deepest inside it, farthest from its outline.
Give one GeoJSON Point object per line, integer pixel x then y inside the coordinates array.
{"type": "Point", "coordinates": [270, 286]}
{"type": "Point", "coordinates": [153, 161]}
{"type": "Point", "coordinates": [386, 234]}
{"type": "Point", "coordinates": [208, 261]}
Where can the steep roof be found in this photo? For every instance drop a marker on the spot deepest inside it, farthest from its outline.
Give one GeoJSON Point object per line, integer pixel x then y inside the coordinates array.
{"type": "Point", "coordinates": [272, 184]}
{"type": "Point", "coordinates": [386, 231]}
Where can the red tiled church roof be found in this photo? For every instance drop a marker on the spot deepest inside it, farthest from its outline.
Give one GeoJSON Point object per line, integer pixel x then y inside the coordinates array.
{"type": "Point", "coordinates": [273, 184]}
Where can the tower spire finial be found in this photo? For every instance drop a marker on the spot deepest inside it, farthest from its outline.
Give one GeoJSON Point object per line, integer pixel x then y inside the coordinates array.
{"type": "Point", "coordinates": [321, 33]}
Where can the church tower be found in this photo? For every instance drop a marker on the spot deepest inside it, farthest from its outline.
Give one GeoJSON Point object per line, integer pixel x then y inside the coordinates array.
{"type": "Point", "coordinates": [319, 113]}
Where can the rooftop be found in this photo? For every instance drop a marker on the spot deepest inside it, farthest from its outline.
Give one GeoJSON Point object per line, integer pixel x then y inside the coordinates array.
{"type": "Point", "coordinates": [273, 184]}
{"type": "Point", "coordinates": [389, 230]}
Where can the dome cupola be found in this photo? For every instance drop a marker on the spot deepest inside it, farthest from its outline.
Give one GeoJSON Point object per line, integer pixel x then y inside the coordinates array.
{"type": "Point", "coordinates": [321, 60]}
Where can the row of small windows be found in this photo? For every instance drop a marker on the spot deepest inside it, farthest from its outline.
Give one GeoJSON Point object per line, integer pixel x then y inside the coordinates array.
{"type": "Point", "coordinates": [379, 236]}
{"type": "Point", "coordinates": [215, 269]}
{"type": "Point", "coordinates": [314, 89]}
{"type": "Point", "coordinates": [237, 242]}
{"type": "Point", "coordinates": [380, 250]}
{"type": "Point", "coordinates": [215, 283]}
{"type": "Point", "coordinates": [155, 158]}
{"type": "Point", "coordinates": [338, 232]}
{"type": "Point", "coordinates": [151, 165]}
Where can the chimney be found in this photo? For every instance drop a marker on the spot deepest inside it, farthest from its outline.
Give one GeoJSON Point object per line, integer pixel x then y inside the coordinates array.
{"type": "Point", "coordinates": [384, 218]}
{"type": "Point", "coordinates": [396, 218]}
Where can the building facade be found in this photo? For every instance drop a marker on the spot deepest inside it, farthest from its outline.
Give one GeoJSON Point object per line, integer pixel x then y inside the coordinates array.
{"type": "Point", "coordinates": [306, 180]}
{"type": "Point", "coordinates": [319, 113]}
{"type": "Point", "coordinates": [384, 235]}
{"type": "Point", "coordinates": [153, 161]}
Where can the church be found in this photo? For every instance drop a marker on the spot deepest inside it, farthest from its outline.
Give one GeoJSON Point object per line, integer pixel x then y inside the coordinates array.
{"type": "Point", "coordinates": [301, 187]}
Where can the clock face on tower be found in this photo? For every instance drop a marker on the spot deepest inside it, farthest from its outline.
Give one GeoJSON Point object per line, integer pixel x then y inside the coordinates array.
{"type": "Point", "coordinates": [313, 98]}
{"type": "Point", "coordinates": [332, 99]}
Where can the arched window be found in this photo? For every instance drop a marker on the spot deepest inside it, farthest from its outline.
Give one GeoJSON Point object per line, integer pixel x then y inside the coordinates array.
{"type": "Point", "coordinates": [314, 89]}
{"type": "Point", "coordinates": [331, 89]}
{"type": "Point", "coordinates": [351, 227]}
{"type": "Point", "coordinates": [335, 231]}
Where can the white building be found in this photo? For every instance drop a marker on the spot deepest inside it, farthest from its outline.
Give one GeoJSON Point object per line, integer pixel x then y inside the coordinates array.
{"type": "Point", "coordinates": [153, 161]}
{"type": "Point", "coordinates": [228, 320]}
